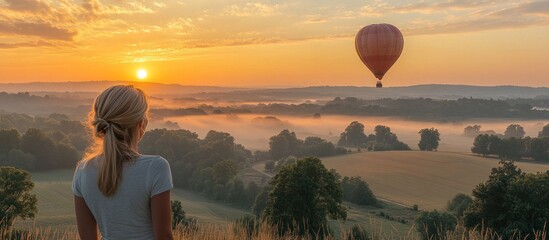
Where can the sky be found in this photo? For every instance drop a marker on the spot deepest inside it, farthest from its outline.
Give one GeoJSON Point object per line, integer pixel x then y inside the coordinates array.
{"type": "Point", "coordinates": [272, 43]}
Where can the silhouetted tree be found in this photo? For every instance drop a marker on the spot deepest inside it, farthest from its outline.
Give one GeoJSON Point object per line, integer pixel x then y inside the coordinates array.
{"type": "Point", "coordinates": [353, 136]}
{"type": "Point", "coordinates": [430, 138]}
{"type": "Point", "coordinates": [284, 144]}
{"type": "Point", "coordinates": [514, 130]}
{"type": "Point", "coordinates": [481, 144]}
{"type": "Point", "coordinates": [539, 149]}
{"type": "Point", "coordinates": [544, 132]}
{"type": "Point", "coordinates": [471, 131]}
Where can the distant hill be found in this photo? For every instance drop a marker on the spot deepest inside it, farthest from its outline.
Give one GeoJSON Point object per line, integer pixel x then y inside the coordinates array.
{"type": "Point", "coordinates": [417, 91]}
{"type": "Point", "coordinates": [97, 86]}
{"type": "Point", "coordinates": [437, 91]}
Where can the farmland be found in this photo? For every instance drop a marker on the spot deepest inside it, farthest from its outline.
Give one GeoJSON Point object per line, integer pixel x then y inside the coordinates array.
{"type": "Point", "coordinates": [428, 179]}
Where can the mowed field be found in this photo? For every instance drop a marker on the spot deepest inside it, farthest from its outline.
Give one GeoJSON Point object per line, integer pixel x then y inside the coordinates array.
{"type": "Point", "coordinates": [56, 207]}
{"type": "Point", "coordinates": [428, 179]}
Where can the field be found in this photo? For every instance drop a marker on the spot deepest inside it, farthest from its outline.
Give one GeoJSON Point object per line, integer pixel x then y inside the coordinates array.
{"type": "Point", "coordinates": [55, 207]}
{"type": "Point", "coordinates": [428, 179]}
{"type": "Point", "coordinates": [55, 203]}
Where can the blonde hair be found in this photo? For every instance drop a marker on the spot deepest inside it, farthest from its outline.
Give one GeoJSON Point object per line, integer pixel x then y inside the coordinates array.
{"type": "Point", "coordinates": [113, 121]}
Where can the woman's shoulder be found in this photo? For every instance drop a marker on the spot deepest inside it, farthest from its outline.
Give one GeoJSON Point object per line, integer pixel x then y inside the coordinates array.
{"type": "Point", "coordinates": [153, 160]}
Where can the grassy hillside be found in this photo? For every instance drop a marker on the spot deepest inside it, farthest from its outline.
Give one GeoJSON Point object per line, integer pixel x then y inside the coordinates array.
{"type": "Point", "coordinates": [428, 179]}
{"type": "Point", "coordinates": [56, 208]}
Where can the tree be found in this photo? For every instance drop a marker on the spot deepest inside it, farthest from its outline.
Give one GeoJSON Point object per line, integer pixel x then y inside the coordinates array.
{"type": "Point", "coordinates": [490, 204]}
{"type": "Point", "coordinates": [178, 215]}
{"type": "Point", "coordinates": [303, 195]}
{"type": "Point", "coordinates": [434, 225]}
{"type": "Point", "coordinates": [384, 135]}
{"type": "Point", "coordinates": [9, 139]}
{"type": "Point", "coordinates": [224, 171]}
{"type": "Point", "coordinates": [261, 201]}
{"type": "Point", "coordinates": [471, 131]}
{"type": "Point", "coordinates": [16, 199]}
{"type": "Point", "coordinates": [544, 132]}
{"type": "Point", "coordinates": [459, 203]}
{"type": "Point", "coordinates": [284, 144]}
{"type": "Point", "coordinates": [42, 147]}
{"type": "Point", "coordinates": [385, 140]}
{"type": "Point", "coordinates": [480, 145]}
{"type": "Point", "coordinates": [512, 148]}
{"type": "Point", "coordinates": [514, 130]}
{"type": "Point", "coordinates": [539, 149]}
{"type": "Point", "coordinates": [353, 136]}
{"type": "Point", "coordinates": [511, 202]}
{"type": "Point", "coordinates": [357, 191]}
{"type": "Point", "coordinates": [18, 159]}
{"type": "Point", "coordinates": [430, 138]}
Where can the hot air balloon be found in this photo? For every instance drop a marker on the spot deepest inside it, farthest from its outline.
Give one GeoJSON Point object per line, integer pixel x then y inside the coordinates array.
{"type": "Point", "coordinates": [379, 46]}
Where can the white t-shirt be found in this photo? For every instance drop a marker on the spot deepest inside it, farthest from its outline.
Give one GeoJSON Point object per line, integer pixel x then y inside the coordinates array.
{"type": "Point", "coordinates": [127, 213]}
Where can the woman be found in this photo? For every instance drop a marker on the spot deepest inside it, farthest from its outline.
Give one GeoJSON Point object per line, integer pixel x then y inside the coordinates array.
{"type": "Point", "coordinates": [123, 192]}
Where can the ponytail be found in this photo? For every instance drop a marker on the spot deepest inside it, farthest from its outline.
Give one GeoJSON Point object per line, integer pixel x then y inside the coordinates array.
{"type": "Point", "coordinates": [114, 118]}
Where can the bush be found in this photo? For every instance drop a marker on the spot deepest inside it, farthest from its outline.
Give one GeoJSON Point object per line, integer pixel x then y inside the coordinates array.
{"type": "Point", "coordinates": [459, 203]}
{"type": "Point", "coordinates": [434, 225]}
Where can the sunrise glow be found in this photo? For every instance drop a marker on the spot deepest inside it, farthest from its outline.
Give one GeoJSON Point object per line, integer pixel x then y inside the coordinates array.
{"type": "Point", "coordinates": [272, 43]}
{"type": "Point", "coordinates": [142, 74]}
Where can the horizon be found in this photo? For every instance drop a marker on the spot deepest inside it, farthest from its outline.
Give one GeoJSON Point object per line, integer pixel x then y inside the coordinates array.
{"type": "Point", "coordinates": [272, 86]}
{"type": "Point", "coordinates": [271, 44]}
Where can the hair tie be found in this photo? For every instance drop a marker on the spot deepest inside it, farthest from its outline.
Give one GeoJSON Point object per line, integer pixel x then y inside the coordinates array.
{"type": "Point", "coordinates": [104, 122]}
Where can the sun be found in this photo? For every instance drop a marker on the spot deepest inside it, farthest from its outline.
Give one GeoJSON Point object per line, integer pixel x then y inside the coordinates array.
{"type": "Point", "coordinates": [142, 74]}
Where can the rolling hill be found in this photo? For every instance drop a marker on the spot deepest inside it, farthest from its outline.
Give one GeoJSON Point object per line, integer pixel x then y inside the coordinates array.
{"type": "Point", "coordinates": [428, 179]}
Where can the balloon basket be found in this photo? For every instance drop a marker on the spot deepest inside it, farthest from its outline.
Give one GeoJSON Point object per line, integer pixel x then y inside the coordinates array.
{"type": "Point", "coordinates": [379, 85]}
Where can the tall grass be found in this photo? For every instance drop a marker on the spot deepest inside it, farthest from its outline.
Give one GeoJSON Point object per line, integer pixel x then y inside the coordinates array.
{"type": "Point", "coordinates": [233, 231]}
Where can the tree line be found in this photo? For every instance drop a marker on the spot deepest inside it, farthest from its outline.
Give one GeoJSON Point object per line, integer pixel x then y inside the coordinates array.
{"type": "Point", "coordinates": [513, 145]}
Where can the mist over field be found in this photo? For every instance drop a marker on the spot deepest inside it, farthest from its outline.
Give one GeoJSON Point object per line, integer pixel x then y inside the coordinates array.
{"type": "Point", "coordinates": [254, 131]}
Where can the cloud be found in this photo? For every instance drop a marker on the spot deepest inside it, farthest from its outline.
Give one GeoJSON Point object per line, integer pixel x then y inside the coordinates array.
{"type": "Point", "coordinates": [429, 7]}
{"type": "Point", "coordinates": [26, 44]}
{"type": "Point", "coordinates": [315, 20]}
{"type": "Point", "coordinates": [28, 5]}
{"type": "Point", "coordinates": [516, 16]}
{"type": "Point", "coordinates": [43, 30]}
{"type": "Point", "coordinates": [251, 9]}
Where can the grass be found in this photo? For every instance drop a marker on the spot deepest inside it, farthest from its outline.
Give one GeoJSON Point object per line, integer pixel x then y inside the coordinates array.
{"type": "Point", "coordinates": [428, 179]}
{"type": "Point", "coordinates": [231, 231]}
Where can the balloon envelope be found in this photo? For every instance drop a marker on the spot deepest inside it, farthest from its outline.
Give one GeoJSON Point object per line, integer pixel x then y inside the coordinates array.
{"type": "Point", "coordinates": [379, 46]}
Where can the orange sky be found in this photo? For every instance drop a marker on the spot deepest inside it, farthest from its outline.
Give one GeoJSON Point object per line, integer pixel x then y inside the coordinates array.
{"type": "Point", "coordinates": [271, 43]}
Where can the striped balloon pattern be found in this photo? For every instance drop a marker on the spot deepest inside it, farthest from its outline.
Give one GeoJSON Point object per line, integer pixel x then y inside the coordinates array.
{"type": "Point", "coordinates": [379, 46]}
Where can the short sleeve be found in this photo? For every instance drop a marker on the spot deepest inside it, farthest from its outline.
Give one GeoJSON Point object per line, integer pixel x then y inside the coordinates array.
{"type": "Point", "coordinates": [76, 182]}
{"type": "Point", "coordinates": [161, 176]}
